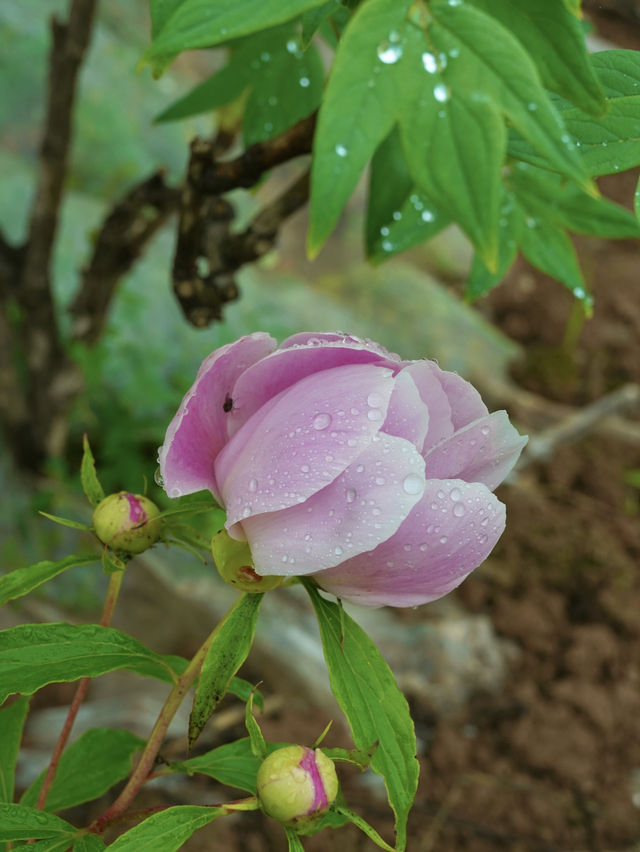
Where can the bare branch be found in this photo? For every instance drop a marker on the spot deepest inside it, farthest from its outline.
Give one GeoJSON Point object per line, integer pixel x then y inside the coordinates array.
{"type": "Point", "coordinates": [126, 230]}
{"type": "Point", "coordinates": [211, 177]}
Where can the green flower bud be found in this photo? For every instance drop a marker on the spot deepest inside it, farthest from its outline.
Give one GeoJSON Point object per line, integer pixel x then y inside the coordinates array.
{"type": "Point", "coordinates": [127, 522]}
{"type": "Point", "coordinates": [235, 565]}
{"type": "Point", "coordinates": [297, 786]}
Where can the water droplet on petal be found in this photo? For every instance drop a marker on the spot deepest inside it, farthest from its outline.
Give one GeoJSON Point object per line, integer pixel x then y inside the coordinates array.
{"type": "Point", "coordinates": [455, 495]}
{"type": "Point", "coordinates": [157, 477]}
{"type": "Point", "coordinates": [413, 484]}
{"type": "Point", "coordinates": [485, 430]}
{"type": "Point", "coordinates": [253, 484]}
{"type": "Point", "coordinates": [338, 550]}
{"type": "Point", "coordinates": [374, 414]}
{"type": "Point", "coordinates": [375, 399]}
{"type": "Point", "coordinates": [443, 539]}
{"type": "Point", "coordinates": [321, 421]}
{"type": "Point", "coordinates": [175, 492]}
{"type": "Point", "coordinates": [350, 494]}
{"type": "Point", "coordinates": [458, 510]}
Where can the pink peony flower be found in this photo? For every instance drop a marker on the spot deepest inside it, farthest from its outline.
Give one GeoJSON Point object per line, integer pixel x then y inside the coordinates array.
{"type": "Point", "coordinates": [334, 458]}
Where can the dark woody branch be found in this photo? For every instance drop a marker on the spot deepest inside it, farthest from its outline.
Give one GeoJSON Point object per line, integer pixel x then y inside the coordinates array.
{"type": "Point", "coordinates": [119, 243]}
{"type": "Point", "coordinates": [207, 253]}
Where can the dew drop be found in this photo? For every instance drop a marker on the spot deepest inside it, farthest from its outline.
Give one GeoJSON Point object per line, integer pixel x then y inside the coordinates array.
{"type": "Point", "coordinates": [407, 548]}
{"type": "Point", "coordinates": [429, 63]}
{"type": "Point", "coordinates": [455, 495]}
{"type": "Point", "coordinates": [338, 550]}
{"type": "Point", "coordinates": [253, 484]}
{"type": "Point", "coordinates": [341, 151]}
{"type": "Point", "coordinates": [321, 421]}
{"type": "Point", "coordinates": [458, 510]}
{"type": "Point", "coordinates": [413, 484]}
{"type": "Point", "coordinates": [389, 53]}
{"type": "Point", "coordinates": [350, 494]}
{"type": "Point", "coordinates": [360, 468]}
{"type": "Point", "coordinates": [246, 511]}
{"type": "Point", "coordinates": [380, 480]}
{"type": "Point", "coordinates": [424, 546]}
{"type": "Point", "coordinates": [374, 414]}
{"type": "Point", "coordinates": [427, 216]}
{"type": "Point", "coordinates": [305, 468]}
{"type": "Point", "coordinates": [485, 430]}
{"type": "Point", "coordinates": [441, 93]}
{"type": "Point", "coordinates": [175, 492]}
{"type": "Point", "coordinates": [157, 477]}
{"type": "Point", "coordinates": [305, 82]}
{"type": "Point", "coordinates": [484, 522]}
{"type": "Point", "coordinates": [443, 539]}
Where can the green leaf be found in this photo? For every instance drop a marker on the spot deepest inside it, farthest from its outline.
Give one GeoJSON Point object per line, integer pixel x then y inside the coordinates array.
{"type": "Point", "coordinates": [548, 248]}
{"type": "Point", "coordinates": [221, 88]}
{"type": "Point", "coordinates": [33, 655]}
{"type": "Point", "coordinates": [554, 39]}
{"type": "Point", "coordinates": [485, 62]}
{"type": "Point", "coordinates": [609, 144]}
{"type": "Point", "coordinates": [359, 757]}
{"type": "Point", "coordinates": [233, 764]}
{"type": "Point", "coordinates": [364, 827]}
{"type": "Point", "coordinates": [195, 508]}
{"type": "Point", "coordinates": [189, 24]}
{"type": "Point", "coordinates": [88, 476]}
{"type": "Point", "coordinates": [65, 522]}
{"type": "Point", "coordinates": [455, 147]}
{"type": "Point", "coordinates": [228, 651]}
{"type": "Point", "coordinates": [20, 822]}
{"type": "Point", "coordinates": [545, 195]}
{"type": "Point", "coordinates": [390, 185]}
{"type": "Point", "coordinates": [244, 690]}
{"type": "Point", "coordinates": [20, 582]}
{"type": "Point", "coordinates": [258, 744]}
{"type": "Point", "coordinates": [376, 710]}
{"type": "Point", "coordinates": [11, 724]}
{"type": "Point", "coordinates": [167, 830]}
{"type": "Point", "coordinates": [287, 88]}
{"type": "Point", "coordinates": [85, 842]}
{"type": "Point", "coordinates": [88, 843]}
{"type": "Point", "coordinates": [88, 768]}
{"type": "Point", "coordinates": [361, 101]}
{"type": "Point", "coordinates": [312, 19]}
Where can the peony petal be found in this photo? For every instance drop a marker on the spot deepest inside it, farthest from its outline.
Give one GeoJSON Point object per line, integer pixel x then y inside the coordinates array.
{"type": "Point", "coordinates": [198, 431]}
{"type": "Point", "coordinates": [363, 507]}
{"type": "Point", "coordinates": [448, 533]}
{"type": "Point", "coordinates": [311, 338]}
{"type": "Point", "coordinates": [407, 415]}
{"type": "Point", "coordinates": [484, 451]}
{"type": "Point", "coordinates": [283, 368]}
{"type": "Point", "coordinates": [465, 401]}
{"type": "Point", "coordinates": [302, 439]}
{"type": "Point", "coordinates": [435, 399]}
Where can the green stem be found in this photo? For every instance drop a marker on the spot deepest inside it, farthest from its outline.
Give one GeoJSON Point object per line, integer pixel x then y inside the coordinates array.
{"type": "Point", "coordinates": [147, 760]}
{"type": "Point", "coordinates": [115, 582]}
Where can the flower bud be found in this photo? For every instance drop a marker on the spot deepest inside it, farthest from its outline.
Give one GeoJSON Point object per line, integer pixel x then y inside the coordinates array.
{"type": "Point", "coordinates": [297, 785]}
{"type": "Point", "coordinates": [127, 522]}
{"type": "Point", "coordinates": [235, 565]}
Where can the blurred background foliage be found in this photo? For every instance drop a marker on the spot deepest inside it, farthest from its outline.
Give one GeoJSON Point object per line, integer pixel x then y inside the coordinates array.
{"type": "Point", "coordinates": [137, 373]}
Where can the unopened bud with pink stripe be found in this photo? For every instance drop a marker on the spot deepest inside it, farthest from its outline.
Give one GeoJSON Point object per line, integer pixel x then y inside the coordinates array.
{"type": "Point", "coordinates": [297, 785]}
{"type": "Point", "coordinates": [127, 522]}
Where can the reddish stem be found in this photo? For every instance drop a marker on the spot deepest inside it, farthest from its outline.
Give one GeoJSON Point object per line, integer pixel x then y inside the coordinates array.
{"type": "Point", "coordinates": [141, 773]}
{"type": "Point", "coordinates": [115, 581]}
